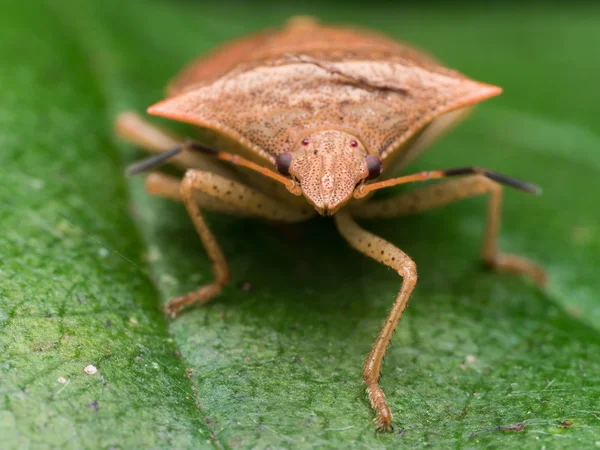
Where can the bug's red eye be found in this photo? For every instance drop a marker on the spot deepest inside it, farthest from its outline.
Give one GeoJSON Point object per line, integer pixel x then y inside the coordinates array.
{"type": "Point", "coordinates": [283, 162]}
{"type": "Point", "coordinates": [374, 166]}
{"type": "Point", "coordinates": [305, 142]}
{"type": "Point", "coordinates": [353, 144]}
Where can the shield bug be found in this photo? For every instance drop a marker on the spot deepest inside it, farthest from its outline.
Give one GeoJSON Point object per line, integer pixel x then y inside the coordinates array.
{"type": "Point", "coordinates": [308, 120]}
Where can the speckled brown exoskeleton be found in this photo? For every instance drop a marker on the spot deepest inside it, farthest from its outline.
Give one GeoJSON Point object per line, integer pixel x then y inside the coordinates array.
{"type": "Point", "coordinates": [309, 120]}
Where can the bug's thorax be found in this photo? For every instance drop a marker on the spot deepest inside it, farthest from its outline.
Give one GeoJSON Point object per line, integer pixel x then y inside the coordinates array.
{"type": "Point", "coordinates": [328, 165]}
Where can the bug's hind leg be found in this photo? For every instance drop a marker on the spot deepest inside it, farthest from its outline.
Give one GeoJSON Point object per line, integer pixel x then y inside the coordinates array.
{"type": "Point", "coordinates": [205, 190]}
{"type": "Point", "coordinates": [440, 194]}
{"type": "Point", "coordinates": [386, 253]}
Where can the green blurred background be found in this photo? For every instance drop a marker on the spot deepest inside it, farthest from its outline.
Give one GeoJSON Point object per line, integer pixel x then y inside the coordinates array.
{"type": "Point", "coordinates": [480, 359]}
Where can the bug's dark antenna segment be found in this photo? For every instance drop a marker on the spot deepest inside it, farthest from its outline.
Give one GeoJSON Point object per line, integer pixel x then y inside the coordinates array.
{"type": "Point", "coordinates": [497, 177]}
{"type": "Point", "coordinates": [157, 160]}
{"type": "Point", "coordinates": [153, 161]}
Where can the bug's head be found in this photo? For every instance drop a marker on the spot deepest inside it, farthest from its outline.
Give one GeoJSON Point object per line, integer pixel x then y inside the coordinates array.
{"type": "Point", "coordinates": [328, 165]}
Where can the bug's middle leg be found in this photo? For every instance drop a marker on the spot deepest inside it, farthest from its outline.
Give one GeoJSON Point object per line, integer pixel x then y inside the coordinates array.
{"type": "Point", "coordinates": [443, 193]}
{"type": "Point", "coordinates": [386, 253]}
{"type": "Point", "coordinates": [224, 195]}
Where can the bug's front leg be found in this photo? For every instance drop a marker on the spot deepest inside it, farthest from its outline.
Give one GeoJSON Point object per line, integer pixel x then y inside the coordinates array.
{"type": "Point", "coordinates": [386, 253]}
{"type": "Point", "coordinates": [219, 263]}
{"type": "Point", "coordinates": [201, 189]}
{"type": "Point", "coordinates": [443, 193]}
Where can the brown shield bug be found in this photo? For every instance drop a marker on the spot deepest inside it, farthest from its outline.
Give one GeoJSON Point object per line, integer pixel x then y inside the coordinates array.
{"type": "Point", "coordinates": [312, 120]}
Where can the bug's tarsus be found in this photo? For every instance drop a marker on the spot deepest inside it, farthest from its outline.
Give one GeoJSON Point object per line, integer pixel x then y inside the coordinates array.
{"type": "Point", "coordinates": [497, 177]}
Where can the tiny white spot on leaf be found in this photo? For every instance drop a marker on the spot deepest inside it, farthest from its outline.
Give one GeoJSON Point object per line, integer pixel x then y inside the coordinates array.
{"type": "Point", "coordinates": [168, 280]}
{"type": "Point", "coordinates": [36, 184]}
{"type": "Point", "coordinates": [90, 369]}
{"type": "Point", "coordinates": [153, 254]}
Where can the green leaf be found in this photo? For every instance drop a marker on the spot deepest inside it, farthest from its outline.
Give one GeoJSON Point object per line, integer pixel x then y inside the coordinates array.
{"type": "Point", "coordinates": [86, 257]}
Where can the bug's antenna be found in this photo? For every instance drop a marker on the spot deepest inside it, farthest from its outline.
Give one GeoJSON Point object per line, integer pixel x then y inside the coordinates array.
{"type": "Point", "coordinates": [153, 161]}
{"type": "Point", "coordinates": [437, 174]}
{"type": "Point", "coordinates": [521, 185]}
{"type": "Point", "coordinates": [238, 160]}
{"type": "Point", "coordinates": [157, 160]}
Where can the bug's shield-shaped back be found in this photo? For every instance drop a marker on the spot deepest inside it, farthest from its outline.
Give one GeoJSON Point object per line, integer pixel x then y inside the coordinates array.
{"type": "Point", "coordinates": [269, 107]}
